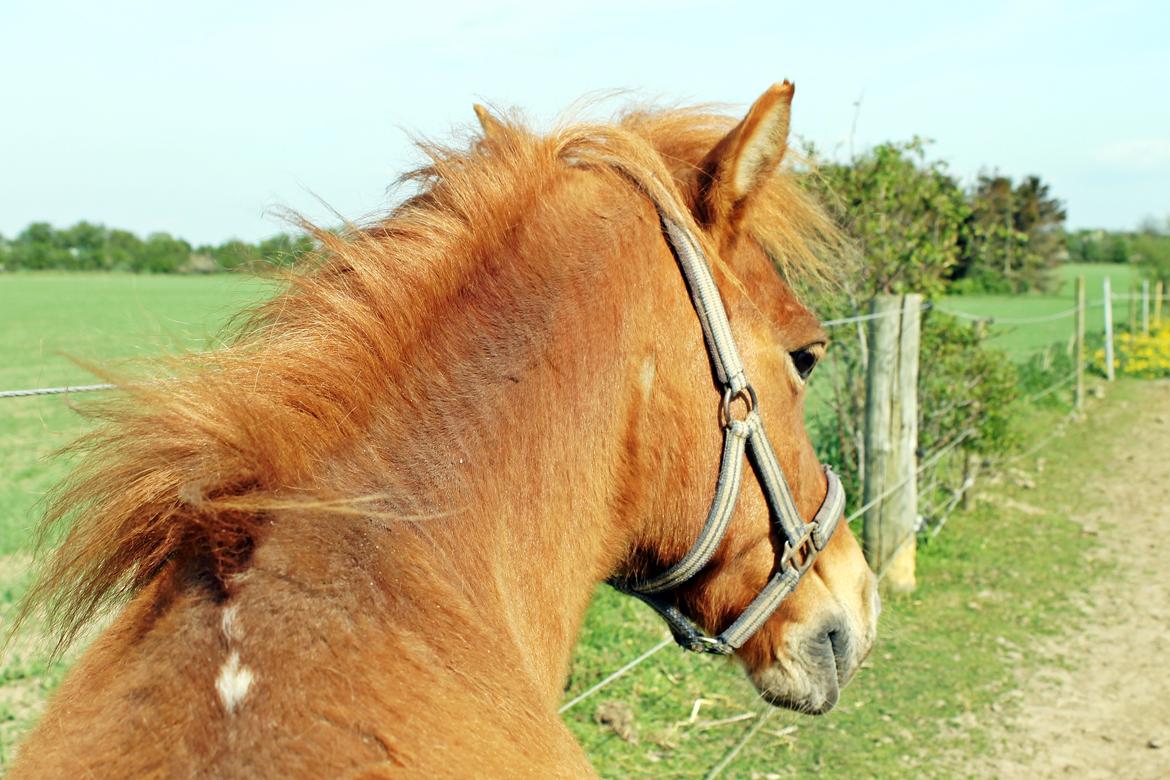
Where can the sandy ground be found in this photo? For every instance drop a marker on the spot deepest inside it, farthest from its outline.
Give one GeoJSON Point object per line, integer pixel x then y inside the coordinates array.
{"type": "Point", "coordinates": [1101, 706]}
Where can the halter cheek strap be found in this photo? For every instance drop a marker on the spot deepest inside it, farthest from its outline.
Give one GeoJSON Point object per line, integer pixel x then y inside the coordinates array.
{"type": "Point", "coordinates": [802, 541]}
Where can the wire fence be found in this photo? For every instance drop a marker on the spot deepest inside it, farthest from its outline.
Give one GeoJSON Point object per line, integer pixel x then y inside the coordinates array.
{"type": "Point", "coordinates": [646, 655]}
{"type": "Point", "coordinates": [1052, 388]}
{"type": "Point", "coordinates": [613, 677]}
{"type": "Point", "coordinates": [832, 323]}
{"type": "Point", "coordinates": [54, 390]}
{"type": "Point", "coordinates": [948, 492]}
{"type": "Point", "coordinates": [866, 317]}
{"type": "Point", "coordinates": [1060, 315]}
{"type": "Point", "coordinates": [760, 718]}
{"type": "Point", "coordinates": [747, 737]}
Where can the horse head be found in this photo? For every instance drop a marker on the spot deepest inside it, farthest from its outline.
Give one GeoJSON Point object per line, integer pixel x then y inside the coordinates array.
{"type": "Point", "coordinates": [783, 584]}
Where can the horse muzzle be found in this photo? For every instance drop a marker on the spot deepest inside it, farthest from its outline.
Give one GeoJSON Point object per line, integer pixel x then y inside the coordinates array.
{"type": "Point", "coordinates": [812, 667]}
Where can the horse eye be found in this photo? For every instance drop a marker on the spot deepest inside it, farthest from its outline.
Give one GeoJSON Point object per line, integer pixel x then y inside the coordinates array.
{"type": "Point", "coordinates": [805, 360]}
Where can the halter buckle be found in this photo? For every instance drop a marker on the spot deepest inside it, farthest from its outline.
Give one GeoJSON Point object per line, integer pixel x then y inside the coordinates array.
{"type": "Point", "coordinates": [712, 645]}
{"type": "Point", "coordinates": [805, 546]}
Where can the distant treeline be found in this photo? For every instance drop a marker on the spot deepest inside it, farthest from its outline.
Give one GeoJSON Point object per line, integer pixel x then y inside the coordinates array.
{"type": "Point", "coordinates": [89, 247]}
{"type": "Point", "coordinates": [917, 227]}
{"type": "Point", "coordinates": [1148, 247]}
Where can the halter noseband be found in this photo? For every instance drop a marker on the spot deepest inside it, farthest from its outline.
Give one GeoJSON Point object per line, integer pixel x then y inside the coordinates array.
{"type": "Point", "coordinates": [802, 540]}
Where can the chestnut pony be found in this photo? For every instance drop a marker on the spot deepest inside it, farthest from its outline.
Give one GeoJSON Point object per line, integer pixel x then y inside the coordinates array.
{"type": "Point", "coordinates": [359, 540]}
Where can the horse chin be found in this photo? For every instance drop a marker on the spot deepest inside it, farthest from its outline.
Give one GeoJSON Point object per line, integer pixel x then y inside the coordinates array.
{"type": "Point", "coordinates": [809, 676]}
{"type": "Point", "coordinates": [806, 682]}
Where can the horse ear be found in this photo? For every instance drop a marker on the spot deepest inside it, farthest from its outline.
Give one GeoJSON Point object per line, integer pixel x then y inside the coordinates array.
{"type": "Point", "coordinates": [493, 129]}
{"type": "Point", "coordinates": [745, 158]}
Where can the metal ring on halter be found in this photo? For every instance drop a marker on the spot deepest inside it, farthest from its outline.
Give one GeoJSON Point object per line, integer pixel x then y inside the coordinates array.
{"type": "Point", "coordinates": [804, 545]}
{"type": "Point", "coordinates": [747, 395]}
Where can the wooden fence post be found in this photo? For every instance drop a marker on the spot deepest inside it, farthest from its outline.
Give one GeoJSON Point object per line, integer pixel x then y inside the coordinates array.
{"type": "Point", "coordinates": [1158, 304]}
{"type": "Point", "coordinates": [891, 439]}
{"type": "Point", "coordinates": [1145, 306]}
{"type": "Point", "coordinates": [1079, 352]}
{"type": "Point", "coordinates": [1108, 331]}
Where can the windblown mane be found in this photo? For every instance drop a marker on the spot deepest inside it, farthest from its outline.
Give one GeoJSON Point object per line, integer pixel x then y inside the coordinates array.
{"type": "Point", "coordinates": [195, 465]}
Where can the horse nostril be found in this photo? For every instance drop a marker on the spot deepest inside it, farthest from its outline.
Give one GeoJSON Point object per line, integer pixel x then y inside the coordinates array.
{"type": "Point", "coordinates": [841, 643]}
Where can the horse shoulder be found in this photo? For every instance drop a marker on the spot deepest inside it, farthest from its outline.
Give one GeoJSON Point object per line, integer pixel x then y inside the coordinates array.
{"type": "Point", "coordinates": [312, 665]}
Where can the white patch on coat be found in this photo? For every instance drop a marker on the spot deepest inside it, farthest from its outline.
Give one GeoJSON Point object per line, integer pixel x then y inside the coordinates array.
{"type": "Point", "coordinates": [233, 683]}
{"type": "Point", "coordinates": [649, 369]}
{"type": "Point", "coordinates": [230, 625]}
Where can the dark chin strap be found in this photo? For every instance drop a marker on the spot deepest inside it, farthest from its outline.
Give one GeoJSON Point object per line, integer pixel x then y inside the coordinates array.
{"type": "Point", "coordinates": [802, 541]}
{"type": "Point", "coordinates": [793, 563]}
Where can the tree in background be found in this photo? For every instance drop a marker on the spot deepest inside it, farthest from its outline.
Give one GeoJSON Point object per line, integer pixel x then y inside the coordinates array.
{"type": "Point", "coordinates": [232, 254]}
{"type": "Point", "coordinates": [1147, 248]}
{"type": "Point", "coordinates": [904, 214]}
{"type": "Point", "coordinates": [1040, 216]}
{"type": "Point", "coordinates": [163, 254]}
{"type": "Point", "coordinates": [38, 247]}
{"type": "Point", "coordinates": [284, 249]}
{"type": "Point", "coordinates": [1097, 246]}
{"type": "Point", "coordinates": [1014, 236]}
{"type": "Point", "coordinates": [1150, 247]}
{"type": "Point", "coordinates": [123, 249]}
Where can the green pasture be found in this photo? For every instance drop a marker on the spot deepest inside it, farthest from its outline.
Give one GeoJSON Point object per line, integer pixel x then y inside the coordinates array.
{"type": "Point", "coordinates": [1020, 340]}
{"type": "Point", "coordinates": [990, 583]}
{"type": "Point", "coordinates": [1122, 277]}
{"type": "Point", "coordinates": [51, 321]}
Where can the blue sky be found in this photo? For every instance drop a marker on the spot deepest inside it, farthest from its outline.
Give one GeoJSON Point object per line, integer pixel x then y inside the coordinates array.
{"type": "Point", "coordinates": [203, 119]}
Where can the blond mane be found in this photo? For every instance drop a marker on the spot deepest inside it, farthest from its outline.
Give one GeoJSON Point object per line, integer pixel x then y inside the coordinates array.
{"type": "Point", "coordinates": [195, 465]}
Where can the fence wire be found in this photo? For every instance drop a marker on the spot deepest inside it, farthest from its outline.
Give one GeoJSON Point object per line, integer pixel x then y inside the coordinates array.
{"type": "Point", "coordinates": [67, 390]}
{"type": "Point", "coordinates": [736, 749]}
{"type": "Point", "coordinates": [946, 505]}
{"type": "Point", "coordinates": [612, 677]}
{"type": "Point", "coordinates": [926, 306]}
{"type": "Point", "coordinates": [724, 762]}
{"type": "Point", "coordinates": [1008, 320]}
{"type": "Point", "coordinates": [1052, 388]}
{"type": "Point", "coordinates": [923, 466]}
{"type": "Point", "coordinates": [941, 509]}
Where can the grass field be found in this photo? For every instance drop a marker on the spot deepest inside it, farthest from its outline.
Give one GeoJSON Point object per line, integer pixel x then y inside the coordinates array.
{"type": "Point", "coordinates": [1021, 340]}
{"type": "Point", "coordinates": [49, 321]}
{"type": "Point", "coordinates": [947, 653]}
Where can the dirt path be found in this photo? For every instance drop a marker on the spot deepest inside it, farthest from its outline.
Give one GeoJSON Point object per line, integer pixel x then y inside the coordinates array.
{"type": "Point", "coordinates": [1100, 708]}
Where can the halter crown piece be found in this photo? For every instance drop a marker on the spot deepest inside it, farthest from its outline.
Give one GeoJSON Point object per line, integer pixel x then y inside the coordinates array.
{"type": "Point", "coordinates": [802, 540]}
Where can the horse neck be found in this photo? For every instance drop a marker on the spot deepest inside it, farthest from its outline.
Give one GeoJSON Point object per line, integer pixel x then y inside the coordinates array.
{"type": "Point", "coordinates": [520, 465]}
